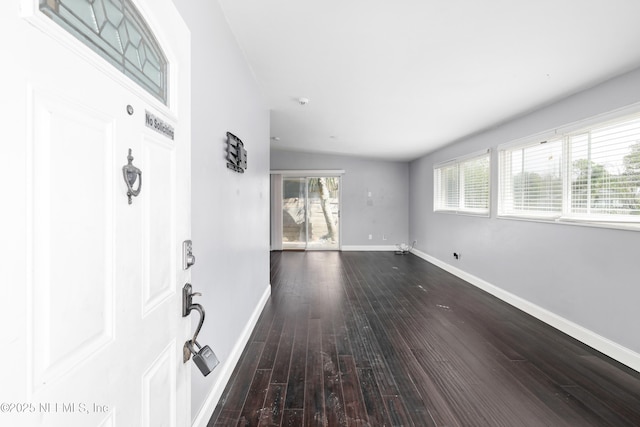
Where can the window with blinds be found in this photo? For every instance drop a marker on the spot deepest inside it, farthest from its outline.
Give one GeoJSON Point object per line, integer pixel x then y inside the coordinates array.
{"type": "Point", "coordinates": [531, 179]}
{"type": "Point", "coordinates": [589, 175]}
{"type": "Point", "coordinates": [462, 186]}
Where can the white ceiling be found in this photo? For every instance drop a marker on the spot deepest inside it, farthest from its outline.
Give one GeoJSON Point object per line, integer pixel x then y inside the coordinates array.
{"type": "Point", "coordinates": [401, 78]}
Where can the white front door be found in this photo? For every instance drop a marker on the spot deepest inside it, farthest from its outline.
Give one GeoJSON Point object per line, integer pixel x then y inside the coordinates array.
{"type": "Point", "coordinates": [90, 292]}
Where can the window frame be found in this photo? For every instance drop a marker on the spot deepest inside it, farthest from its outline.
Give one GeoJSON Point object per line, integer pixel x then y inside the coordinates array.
{"type": "Point", "coordinates": [121, 55]}
{"type": "Point", "coordinates": [502, 192]}
{"type": "Point", "coordinates": [459, 208]}
{"type": "Point", "coordinates": [566, 215]}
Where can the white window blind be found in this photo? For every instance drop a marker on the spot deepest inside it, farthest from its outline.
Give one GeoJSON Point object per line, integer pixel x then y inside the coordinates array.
{"type": "Point", "coordinates": [589, 175]}
{"type": "Point", "coordinates": [463, 186]}
{"type": "Point", "coordinates": [605, 171]}
{"type": "Point", "coordinates": [447, 191]}
{"type": "Point", "coordinates": [531, 179]}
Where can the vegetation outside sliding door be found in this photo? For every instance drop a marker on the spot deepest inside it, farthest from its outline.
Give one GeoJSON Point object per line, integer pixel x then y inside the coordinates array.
{"type": "Point", "coordinates": [294, 213]}
{"type": "Point", "coordinates": [323, 199]}
{"type": "Point", "coordinates": [311, 213]}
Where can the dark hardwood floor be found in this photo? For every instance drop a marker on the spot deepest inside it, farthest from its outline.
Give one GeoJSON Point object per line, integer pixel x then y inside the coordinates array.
{"type": "Point", "coordinates": [378, 339]}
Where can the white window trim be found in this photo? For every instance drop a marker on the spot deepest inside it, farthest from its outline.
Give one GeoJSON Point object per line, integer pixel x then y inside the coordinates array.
{"type": "Point", "coordinates": [524, 143]}
{"type": "Point", "coordinates": [573, 127]}
{"type": "Point", "coordinates": [564, 132]}
{"type": "Point", "coordinates": [460, 160]}
{"type": "Point", "coordinates": [308, 172]}
{"type": "Point", "coordinates": [464, 158]}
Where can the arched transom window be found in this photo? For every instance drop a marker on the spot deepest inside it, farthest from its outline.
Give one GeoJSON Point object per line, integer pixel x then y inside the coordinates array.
{"type": "Point", "coordinates": [117, 32]}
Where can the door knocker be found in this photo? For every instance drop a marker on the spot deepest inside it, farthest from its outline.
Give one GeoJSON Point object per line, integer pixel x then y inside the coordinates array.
{"type": "Point", "coordinates": [131, 174]}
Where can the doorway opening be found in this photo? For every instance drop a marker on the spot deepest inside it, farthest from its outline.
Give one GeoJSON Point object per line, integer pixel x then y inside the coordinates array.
{"type": "Point", "coordinates": [311, 213]}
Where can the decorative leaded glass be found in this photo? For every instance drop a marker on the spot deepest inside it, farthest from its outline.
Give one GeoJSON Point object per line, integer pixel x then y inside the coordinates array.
{"type": "Point", "coordinates": [116, 31]}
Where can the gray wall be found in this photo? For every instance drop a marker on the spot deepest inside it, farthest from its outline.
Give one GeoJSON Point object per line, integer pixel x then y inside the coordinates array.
{"type": "Point", "coordinates": [583, 274]}
{"type": "Point", "coordinates": [388, 210]}
{"type": "Point", "coordinates": [230, 211]}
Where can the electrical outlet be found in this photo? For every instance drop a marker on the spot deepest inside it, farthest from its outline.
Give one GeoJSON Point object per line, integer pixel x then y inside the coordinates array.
{"type": "Point", "coordinates": [370, 236]}
{"type": "Point", "coordinates": [384, 237]}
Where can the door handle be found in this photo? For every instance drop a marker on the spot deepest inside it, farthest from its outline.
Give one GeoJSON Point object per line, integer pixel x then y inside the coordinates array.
{"type": "Point", "coordinates": [205, 359]}
{"type": "Point", "coordinates": [188, 305]}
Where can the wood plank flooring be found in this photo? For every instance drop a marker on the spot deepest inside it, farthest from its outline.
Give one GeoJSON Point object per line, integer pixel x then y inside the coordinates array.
{"type": "Point", "coordinates": [378, 339]}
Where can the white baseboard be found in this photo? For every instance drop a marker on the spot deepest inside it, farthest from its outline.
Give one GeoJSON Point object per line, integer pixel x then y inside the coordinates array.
{"type": "Point", "coordinates": [371, 248]}
{"type": "Point", "coordinates": [604, 345]}
{"type": "Point", "coordinates": [229, 365]}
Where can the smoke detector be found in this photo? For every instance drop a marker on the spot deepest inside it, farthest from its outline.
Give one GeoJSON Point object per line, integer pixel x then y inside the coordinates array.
{"type": "Point", "coordinates": [303, 101]}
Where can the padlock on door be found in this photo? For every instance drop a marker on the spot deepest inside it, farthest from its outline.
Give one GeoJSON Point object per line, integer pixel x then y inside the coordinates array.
{"type": "Point", "coordinates": [205, 359]}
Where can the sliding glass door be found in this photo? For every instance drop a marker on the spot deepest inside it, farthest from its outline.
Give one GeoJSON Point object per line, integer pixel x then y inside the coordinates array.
{"type": "Point", "coordinates": [323, 195]}
{"type": "Point", "coordinates": [311, 213]}
{"type": "Point", "coordinates": [294, 213]}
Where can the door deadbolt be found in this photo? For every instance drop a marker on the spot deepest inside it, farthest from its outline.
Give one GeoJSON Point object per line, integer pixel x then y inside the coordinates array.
{"type": "Point", "coordinates": [188, 259]}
